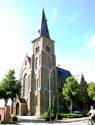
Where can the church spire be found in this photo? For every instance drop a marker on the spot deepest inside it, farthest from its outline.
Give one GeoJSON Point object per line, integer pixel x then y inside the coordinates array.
{"type": "Point", "coordinates": [43, 31]}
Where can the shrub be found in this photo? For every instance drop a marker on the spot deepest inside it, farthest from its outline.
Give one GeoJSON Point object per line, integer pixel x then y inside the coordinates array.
{"type": "Point", "coordinates": [3, 122]}
{"type": "Point", "coordinates": [72, 115]}
{"type": "Point", "coordinates": [44, 115]}
{"type": "Point", "coordinates": [14, 118]}
{"type": "Point", "coordinates": [60, 116]}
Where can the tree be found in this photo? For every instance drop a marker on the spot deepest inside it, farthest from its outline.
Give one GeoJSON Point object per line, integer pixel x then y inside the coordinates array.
{"type": "Point", "coordinates": [71, 91]}
{"type": "Point", "coordinates": [1, 92]}
{"type": "Point", "coordinates": [91, 90]}
{"type": "Point", "coordinates": [9, 87]}
{"type": "Point", "coordinates": [84, 102]}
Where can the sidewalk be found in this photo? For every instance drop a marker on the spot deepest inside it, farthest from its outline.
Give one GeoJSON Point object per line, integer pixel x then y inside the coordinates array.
{"type": "Point", "coordinates": [75, 119]}
{"type": "Point", "coordinates": [34, 119]}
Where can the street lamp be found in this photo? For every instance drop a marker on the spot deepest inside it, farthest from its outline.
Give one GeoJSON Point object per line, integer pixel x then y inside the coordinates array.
{"type": "Point", "coordinates": [50, 71]}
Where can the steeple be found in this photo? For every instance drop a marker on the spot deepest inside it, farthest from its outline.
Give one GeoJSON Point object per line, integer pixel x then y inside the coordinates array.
{"type": "Point", "coordinates": [43, 31]}
{"type": "Point", "coordinates": [83, 83]}
{"type": "Point", "coordinates": [82, 79]}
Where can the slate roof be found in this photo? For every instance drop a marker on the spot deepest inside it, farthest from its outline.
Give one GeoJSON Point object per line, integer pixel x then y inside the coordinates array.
{"type": "Point", "coordinates": [62, 74]}
{"type": "Point", "coordinates": [29, 59]}
{"type": "Point", "coordinates": [22, 100]}
{"type": "Point", "coordinates": [43, 31]}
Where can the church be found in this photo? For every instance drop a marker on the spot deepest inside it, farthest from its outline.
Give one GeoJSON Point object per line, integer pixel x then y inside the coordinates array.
{"type": "Point", "coordinates": [39, 76]}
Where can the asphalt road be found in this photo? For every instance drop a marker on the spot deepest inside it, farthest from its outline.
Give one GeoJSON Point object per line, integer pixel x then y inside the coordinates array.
{"type": "Point", "coordinates": [84, 122]}
{"type": "Point", "coordinates": [35, 121]}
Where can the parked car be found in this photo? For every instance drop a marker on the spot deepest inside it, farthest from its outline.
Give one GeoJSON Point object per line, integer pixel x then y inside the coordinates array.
{"type": "Point", "coordinates": [77, 112]}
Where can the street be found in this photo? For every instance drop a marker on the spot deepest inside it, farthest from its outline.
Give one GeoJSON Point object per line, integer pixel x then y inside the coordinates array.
{"type": "Point", "coordinates": [34, 121]}
{"type": "Point", "coordinates": [84, 122]}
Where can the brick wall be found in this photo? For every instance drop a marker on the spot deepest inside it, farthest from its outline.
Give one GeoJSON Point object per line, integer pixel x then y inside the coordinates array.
{"type": "Point", "coordinates": [5, 113]}
{"type": "Point", "coordinates": [2, 113]}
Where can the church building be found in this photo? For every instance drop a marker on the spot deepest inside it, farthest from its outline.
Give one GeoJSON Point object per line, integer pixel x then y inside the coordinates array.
{"type": "Point", "coordinates": [39, 76]}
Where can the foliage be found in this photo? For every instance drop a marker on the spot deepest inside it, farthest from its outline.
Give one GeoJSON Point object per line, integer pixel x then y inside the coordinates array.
{"type": "Point", "coordinates": [84, 93]}
{"type": "Point", "coordinates": [54, 107]}
{"type": "Point", "coordinates": [14, 118]}
{"type": "Point", "coordinates": [54, 110]}
{"type": "Point", "coordinates": [71, 91]}
{"type": "Point", "coordinates": [83, 101]}
{"type": "Point", "coordinates": [3, 122]}
{"type": "Point", "coordinates": [1, 91]}
{"type": "Point", "coordinates": [9, 86]}
{"type": "Point", "coordinates": [66, 115]}
{"type": "Point", "coordinates": [91, 90]}
{"type": "Point", "coordinates": [59, 116]}
{"type": "Point", "coordinates": [44, 115]}
{"type": "Point", "coordinates": [72, 115]}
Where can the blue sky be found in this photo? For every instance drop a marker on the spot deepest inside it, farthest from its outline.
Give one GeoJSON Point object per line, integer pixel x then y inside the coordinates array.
{"type": "Point", "coordinates": [71, 24]}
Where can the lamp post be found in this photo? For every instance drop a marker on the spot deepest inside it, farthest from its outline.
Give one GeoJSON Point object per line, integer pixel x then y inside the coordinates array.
{"type": "Point", "coordinates": [50, 71]}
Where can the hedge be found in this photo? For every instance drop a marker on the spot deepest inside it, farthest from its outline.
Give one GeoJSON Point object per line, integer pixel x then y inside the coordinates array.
{"type": "Point", "coordinates": [72, 115]}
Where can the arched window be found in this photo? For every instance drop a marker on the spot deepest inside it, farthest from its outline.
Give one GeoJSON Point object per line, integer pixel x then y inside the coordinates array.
{"type": "Point", "coordinates": [25, 85]}
{"type": "Point", "coordinates": [37, 84]}
{"type": "Point", "coordinates": [17, 109]}
{"type": "Point", "coordinates": [36, 64]}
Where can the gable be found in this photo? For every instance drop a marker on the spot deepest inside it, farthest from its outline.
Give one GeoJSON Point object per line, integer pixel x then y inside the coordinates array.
{"type": "Point", "coordinates": [26, 66]}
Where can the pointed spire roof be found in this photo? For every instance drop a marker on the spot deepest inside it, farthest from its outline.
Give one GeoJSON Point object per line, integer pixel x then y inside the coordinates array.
{"type": "Point", "coordinates": [82, 79]}
{"type": "Point", "coordinates": [83, 83]}
{"type": "Point", "coordinates": [43, 31]}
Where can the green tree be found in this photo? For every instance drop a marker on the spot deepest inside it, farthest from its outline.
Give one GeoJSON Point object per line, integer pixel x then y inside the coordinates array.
{"type": "Point", "coordinates": [91, 90]}
{"type": "Point", "coordinates": [9, 87]}
{"type": "Point", "coordinates": [84, 100]}
{"type": "Point", "coordinates": [71, 91]}
{"type": "Point", "coordinates": [1, 92]}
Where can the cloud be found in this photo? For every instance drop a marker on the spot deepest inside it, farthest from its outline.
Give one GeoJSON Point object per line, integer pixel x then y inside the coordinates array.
{"type": "Point", "coordinates": [91, 41]}
{"type": "Point", "coordinates": [54, 15]}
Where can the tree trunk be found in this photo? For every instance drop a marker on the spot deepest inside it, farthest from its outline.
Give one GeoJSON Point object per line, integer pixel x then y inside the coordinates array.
{"type": "Point", "coordinates": [6, 101]}
{"type": "Point", "coordinates": [12, 104]}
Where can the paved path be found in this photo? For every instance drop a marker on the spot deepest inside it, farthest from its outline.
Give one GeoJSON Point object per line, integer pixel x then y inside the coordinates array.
{"type": "Point", "coordinates": [32, 120]}
{"type": "Point", "coordinates": [55, 123]}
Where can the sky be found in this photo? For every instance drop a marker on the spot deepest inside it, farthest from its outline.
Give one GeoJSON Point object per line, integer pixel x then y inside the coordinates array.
{"type": "Point", "coordinates": [71, 25]}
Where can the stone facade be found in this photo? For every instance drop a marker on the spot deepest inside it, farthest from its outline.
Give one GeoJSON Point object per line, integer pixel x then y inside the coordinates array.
{"type": "Point", "coordinates": [36, 73]}
{"type": "Point", "coordinates": [20, 106]}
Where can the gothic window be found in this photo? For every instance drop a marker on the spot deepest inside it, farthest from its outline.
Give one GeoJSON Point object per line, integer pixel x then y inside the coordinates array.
{"type": "Point", "coordinates": [49, 62]}
{"type": "Point", "coordinates": [37, 49]}
{"type": "Point", "coordinates": [47, 48]}
{"type": "Point", "coordinates": [36, 99]}
{"type": "Point", "coordinates": [29, 81]}
{"type": "Point", "coordinates": [36, 63]}
{"type": "Point", "coordinates": [37, 84]}
{"type": "Point", "coordinates": [25, 85]}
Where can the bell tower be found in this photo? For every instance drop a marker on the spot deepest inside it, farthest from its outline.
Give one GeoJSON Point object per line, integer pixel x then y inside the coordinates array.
{"type": "Point", "coordinates": [43, 59]}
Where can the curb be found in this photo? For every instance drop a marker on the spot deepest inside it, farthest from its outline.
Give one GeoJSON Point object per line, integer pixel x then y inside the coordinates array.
{"type": "Point", "coordinates": [75, 119]}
